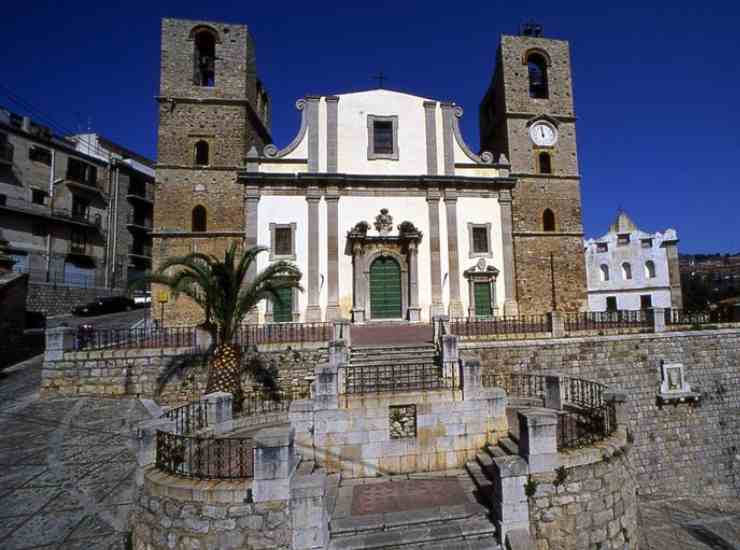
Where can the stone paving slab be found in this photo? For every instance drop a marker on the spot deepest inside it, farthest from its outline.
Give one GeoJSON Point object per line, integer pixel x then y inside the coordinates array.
{"type": "Point", "coordinates": [405, 495]}
{"type": "Point", "coordinates": [67, 468]}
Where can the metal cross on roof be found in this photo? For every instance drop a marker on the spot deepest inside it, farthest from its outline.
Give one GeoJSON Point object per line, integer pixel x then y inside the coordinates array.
{"type": "Point", "coordinates": [380, 78]}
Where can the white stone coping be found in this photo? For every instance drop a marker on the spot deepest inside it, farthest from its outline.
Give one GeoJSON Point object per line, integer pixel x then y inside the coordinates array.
{"type": "Point", "coordinates": [161, 484]}
{"type": "Point", "coordinates": [599, 451]}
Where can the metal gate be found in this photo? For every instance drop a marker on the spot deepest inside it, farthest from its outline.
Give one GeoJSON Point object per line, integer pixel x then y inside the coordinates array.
{"type": "Point", "coordinates": [385, 289]}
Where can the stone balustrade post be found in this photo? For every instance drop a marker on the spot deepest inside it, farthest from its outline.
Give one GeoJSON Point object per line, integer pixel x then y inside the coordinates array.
{"type": "Point", "coordinates": [220, 411]}
{"type": "Point", "coordinates": [342, 331]}
{"type": "Point", "coordinates": [440, 326]}
{"type": "Point", "coordinates": [557, 324]}
{"type": "Point", "coordinates": [308, 511]}
{"type": "Point", "coordinates": [658, 315]}
{"type": "Point", "coordinates": [510, 505]}
{"type": "Point", "coordinates": [58, 340]}
{"type": "Point", "coordinates": [275, 461]}
{"type": "Point", "coordinates": [471, 380]}
{"type": "Point", "coordinates": [146, 443]}
{"type": "Point", "coordinates": [450, 356]}
{"type": "Point", "coordinates": [203, 338]}
{"type": "Point", "coordinates": [538, 439]}
{"type": "Point", "coordinates": [619, 398]}
{"type": "Point", "coordinates": [553, 396]}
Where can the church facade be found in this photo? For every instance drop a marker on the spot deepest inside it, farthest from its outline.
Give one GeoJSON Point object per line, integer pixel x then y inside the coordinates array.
{"type": "Point", "coordinates": [389, 214]}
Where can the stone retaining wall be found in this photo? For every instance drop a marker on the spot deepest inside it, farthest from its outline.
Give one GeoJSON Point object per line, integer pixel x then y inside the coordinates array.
{"type": "Point", "coordinates": [180, 514]}
{"type": "Point", "coordinates": [591, 504]}
{"type": "Point", "coordinates": [678, 450]}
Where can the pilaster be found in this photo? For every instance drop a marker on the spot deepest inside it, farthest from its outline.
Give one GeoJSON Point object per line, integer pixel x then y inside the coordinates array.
{"type": "Point", "coordinates": [312, 114]}
{"type": "Point", "coordinates": [313, 310]}
{"type": "Point", "coordinates": [430, 126]}
{"type": "Point", "coordinates": [332, 246]}
{"type": "Point", "coordinates": [437, 307]}
{"type": "Point", "coordinates": [251, 226]}
{"type": "Point", "coordinates": [332, 144]}
{"type": "Point", "coordinates": [414, 311]}
{"type": "Point", "coordinates": [510, 303]}
{"type": "Point", "coordinates": [456, 309]}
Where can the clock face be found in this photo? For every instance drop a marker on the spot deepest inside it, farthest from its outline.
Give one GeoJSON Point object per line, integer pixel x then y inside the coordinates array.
{"type": "Point", "coordinates": [543, 134]}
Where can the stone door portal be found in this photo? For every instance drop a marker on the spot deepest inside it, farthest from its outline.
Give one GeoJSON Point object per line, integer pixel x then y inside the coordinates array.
{"type": "Point", "coordinates": [385, 289]}
{"type": "Point", "coordinates": [482, 295]}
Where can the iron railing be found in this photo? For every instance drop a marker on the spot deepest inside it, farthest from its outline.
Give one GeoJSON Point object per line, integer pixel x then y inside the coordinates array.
{"type": "Point", "coordinates": [682, 317]}
{"type": "Point", "coordinates": [145, 192]}
{"type": "Point", "coordinates": [516, 384]}
{"type": "Point", "coordinates": [205, 458]}
{"type": "Point", "coordinates": [261, 402]}
{"type": "Point", "coordinates": [90, 338]}
{"type": "Point", "coordinates": [522, 326]}
{"type": "Point", "coordinates": [189, 418]}
{"type": "Point", "coordinates": [366, 379]}
{"type": "Point", "coordinates": [579, 428]}
{"type": "Point", "coordinates": [283, 333]}
{"type": "Point", "coordinates": [606, 320]}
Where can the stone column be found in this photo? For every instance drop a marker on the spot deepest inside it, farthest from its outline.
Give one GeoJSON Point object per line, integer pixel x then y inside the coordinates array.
{"type": "Point", "coordinates": [358, 284]}
{"type": "Point", "coordinates": [455, 309]}
{"type": "Point", "coordinates": [58, 340]}
{"type": "Point", "coordinates": [332, 246]}
{"type": "Point", "coordinates": [510, 304]}
{"type": "Point", "coordinates": [553, 398]}
{"type": "Point", "coordinates": [538, 440]}
{"type": "Point", "coordinates": [308, 511]}
{"type": "Point", "coordinates": [251, 235]}
{"type": "Point", "coordinates": [510, 505]}
{"type": "Point", "coordinates": [471, 380]}
{"type": "Point", "coordinates": [437, 307]}
{"type": "Point", "coordinates": [440, 327]}
{"type": "Point", "coordinates": [343, 331]}
{"type": "Point", "coordinates": [274, 463]}
{"type": "Point", "coordinates": [414, 311]}
{"type": "Point", "coordinates": [220, 411]}
{"type": "Point", "coordinates": [658, 315]}
{"type": "Point", "coordinates": [450, 357]}
{"type": "Point", "coordinates": [313, 310]}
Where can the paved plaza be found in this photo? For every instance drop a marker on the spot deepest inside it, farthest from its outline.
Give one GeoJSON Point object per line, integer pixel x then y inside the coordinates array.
{"type": "Point", "coordinates": [68, 466]}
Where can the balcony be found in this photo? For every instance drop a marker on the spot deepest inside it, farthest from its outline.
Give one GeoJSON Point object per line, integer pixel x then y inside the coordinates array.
{"type": "Point", "coordinates": [85, 219]}
{"type": "Point", "coordinates": [6, 153]}
{"type": "Point", "coordinates": [142, 194]}
{"type": "Point", "coordinates": [140, 251]}
{"type": "Point", "coordinates": [138, 222]}
{"type": "Point", "coordinates": [80, 248]}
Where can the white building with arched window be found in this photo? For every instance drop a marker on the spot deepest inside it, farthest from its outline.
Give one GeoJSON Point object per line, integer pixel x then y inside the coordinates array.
{"type": "Point", "coordinates": [629, 269]}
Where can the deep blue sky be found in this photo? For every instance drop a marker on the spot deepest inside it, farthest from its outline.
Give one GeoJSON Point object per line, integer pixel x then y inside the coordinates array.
{"type": "Point", "coordinates": [656, 86]}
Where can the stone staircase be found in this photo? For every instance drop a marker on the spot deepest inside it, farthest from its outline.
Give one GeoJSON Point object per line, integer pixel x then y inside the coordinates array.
{"type": "Point", "coordinates": [394, 368]}
{"type": "Point", "coordinates": [396, 354]}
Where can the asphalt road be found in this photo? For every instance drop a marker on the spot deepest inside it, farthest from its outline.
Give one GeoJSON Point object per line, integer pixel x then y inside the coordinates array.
{"type": "Point", "coordinates": [123, 319]}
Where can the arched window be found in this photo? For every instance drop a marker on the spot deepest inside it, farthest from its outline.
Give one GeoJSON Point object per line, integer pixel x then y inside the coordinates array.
{"type": "Point", "coordinates": [202, 153]}
{"type": "Point", "coordinates": [544, 163]}
{"type": "Point", "coordinates": [200, 219]}
{"type": "Point", "coordinates": [626, 271]}
{"type": "Point", "coordinates": [548, 220]}
{"type": "Point", "coordinates": [604, 272]}
{"type": "Point", "coordinates": [204, 59]}
{"type": "Point", "coordinates": [650, 269]}
{"type": "Point", "coordinates": [537, 66]}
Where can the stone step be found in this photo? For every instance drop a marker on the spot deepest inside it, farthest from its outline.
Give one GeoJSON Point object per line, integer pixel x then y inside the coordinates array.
{"type": "Point", "coordinates": [482, 482]}
{"type": "Point", "coordinates": [455, 532]}
{"type": "Point", "coordinates": [384, 360]}
{"type": "Point", "coordinates": [508, 445]}
{"type": "Point", "coordinates": [389, 352]}
{"type": "Point", "coordinates": [494, 451]}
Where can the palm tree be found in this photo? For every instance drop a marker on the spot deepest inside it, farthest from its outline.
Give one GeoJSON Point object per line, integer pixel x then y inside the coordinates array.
{"type": "Point", "coordinates": [220, 289]}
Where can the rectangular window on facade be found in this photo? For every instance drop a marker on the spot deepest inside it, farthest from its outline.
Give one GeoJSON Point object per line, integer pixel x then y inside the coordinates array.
{"type": "Point", "coordinates": [646, 301]}
{"type": "Point", "coordinates": [39, 230]}
{"type": "Point", "coordinates": [78, 242]}
{"type": "Point", "coordinates": [79, 207]}
{"type": "Point", "coordinates": [623, 240]}
{"type": "Point", "coordinates": [283, 241]}
{"type": "Point", "coordinates": [38, 196]}
{"type": "Point", "coordinates": [480, 240]}
{"type": "Point", "coordinates": [81, 172]}
{"type": "Point", "coordinates": [383, 137]}
{"type": "Point", "coordinates": [602, 247]}
{"type": "Point", "coordinates": [40, 154]}
{"type": "Point", "coordinates": [611, 303]}
{"type": "Point", "coordinates": [646, 243]}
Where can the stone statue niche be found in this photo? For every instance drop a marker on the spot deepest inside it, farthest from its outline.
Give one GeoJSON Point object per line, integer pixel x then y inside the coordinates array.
{"type": "Point", "coordinates": [673, 386]}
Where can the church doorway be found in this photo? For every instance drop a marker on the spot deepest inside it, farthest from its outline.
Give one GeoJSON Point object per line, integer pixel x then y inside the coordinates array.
{"type": "Point", "coordinates": [385, 289]}
{"type": "Point", "coordinates": [282, 310]}
{"type": "Point", "coordinates": [482, 295]}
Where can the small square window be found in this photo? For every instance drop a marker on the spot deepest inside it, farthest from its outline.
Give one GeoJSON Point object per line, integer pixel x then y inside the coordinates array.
{"type": "Point", "coordinates": [611, 303]}
{"type": "Point", "coordinates": [40, 154]}
{"type": "Point", "coordinates": [646, 243]}
{"type": "Point", "coordinates": [623, 239]}
{"type": "Point", "coordinates": [38, 196]}
{"type": "Point", "coordinates": [479, 240]}
{"type": "Point", "coordinates": [646, 301]}
{"type": "Point", "coordinates": [282, 241]}
{"type": "Point", "coordinates": [383, 137]}
{"type": "Point", "coordinates": [602, 247]}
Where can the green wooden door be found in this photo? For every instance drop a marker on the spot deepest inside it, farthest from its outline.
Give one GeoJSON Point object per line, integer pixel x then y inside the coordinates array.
{"type": "Point", "coordinates": [482, 296]}
{"type": "Point", "coordinates": [282, 310]}
{"type": "Point", "coordinates": [385, 289]}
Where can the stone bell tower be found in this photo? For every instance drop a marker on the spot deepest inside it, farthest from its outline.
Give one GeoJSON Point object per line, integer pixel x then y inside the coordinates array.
{"type": "Point", "coordinates": [212, 110]}
{"type": "Point", "coordinates": [528, 115]}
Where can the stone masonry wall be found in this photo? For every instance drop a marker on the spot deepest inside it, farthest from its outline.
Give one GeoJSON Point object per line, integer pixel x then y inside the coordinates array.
{"type": "Point", "coordinates": [678, 450]}
{"type": "Point", "coordinates": [51, 299]}
{"type": "Point", "coordinates": [138, 373]}
{"type": "Point", "coordinates": [593, 504]}
{"type": "Point", "coordinates": [179, 514]}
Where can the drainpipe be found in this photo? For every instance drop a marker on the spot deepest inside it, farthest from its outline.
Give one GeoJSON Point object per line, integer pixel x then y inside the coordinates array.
{"type": "Point", "coordinates": [109, 224]}
{"type": "Point", "coordinates": [51, 207]}
{"type": "Point", "coordinates": [116, 179]}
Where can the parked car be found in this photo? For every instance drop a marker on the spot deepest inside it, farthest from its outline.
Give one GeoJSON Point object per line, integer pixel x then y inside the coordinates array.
{"type": "Point", "coordinates": [142, 298]}
{"type": "Point", "coordinates": [100, 306]}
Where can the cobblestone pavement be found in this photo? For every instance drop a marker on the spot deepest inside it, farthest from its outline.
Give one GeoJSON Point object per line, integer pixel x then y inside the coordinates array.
{"type": "Point", "coordinates": [695, 523]}
{"type": "Point", "coordinates": [66, 467]}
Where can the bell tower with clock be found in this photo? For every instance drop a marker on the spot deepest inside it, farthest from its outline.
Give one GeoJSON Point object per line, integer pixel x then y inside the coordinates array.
{"type": "Point", "coordinates": [527, 114]}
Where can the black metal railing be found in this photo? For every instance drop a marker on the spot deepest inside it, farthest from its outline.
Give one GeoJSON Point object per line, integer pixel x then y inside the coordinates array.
{"type": "Point", "coordinates": [367, 379]}
{"type": "Point", "coordinates": [204, 457]}
{"type": "Point", "coordinates": [261, 402]}
{"type": "Point", "coordinates": [139, 221]}
{"type": "Point", "coordinates": [140, 250]}
{"type": "Point", "coordinates": [683, 317]}
{"type": "Point", "coordinates": [90, 338]}
{"type": "Point", "coordinates": [516, 384]}
{"type": "Point", "coordinates": [606, 320]}
{"type": "Point", "coordinates": [189, 418]}
{"type": "Point", "coordinates": [521, 326]}
{"type": "Point", "coordinates": [579, 428]}
{"type": "Point", "coordinates": [145, 192]}
{"type": "Point", "coordinates": [283, 333]}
